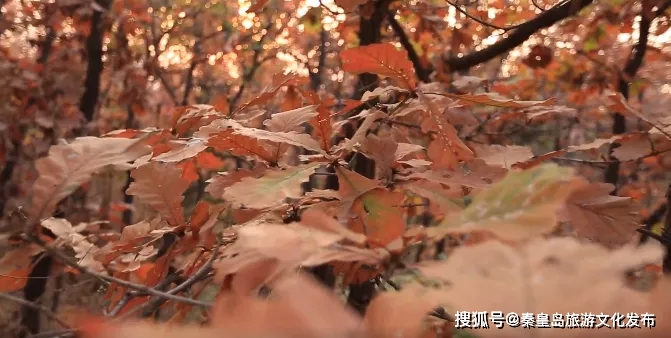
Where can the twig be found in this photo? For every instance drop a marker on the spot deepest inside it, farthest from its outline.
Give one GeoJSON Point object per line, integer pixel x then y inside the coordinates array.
{"type": "Point", "coordinates": [199, 275]}
{"type": "Point", "coordinates": [37, 307]}
{"type": "Point", "coordinates": [422, 73]}
{"type": "Point", "coordinates": [111, 279]}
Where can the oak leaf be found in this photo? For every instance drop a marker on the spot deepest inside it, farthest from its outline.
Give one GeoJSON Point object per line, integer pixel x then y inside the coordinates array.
{"type": "Point", "coordinates": [271, 189]}
{"type": "Point", "coordinates": [383, 59]}
{"type": "Point", "coordinates": [160, 186]}
{"type": "Point", "coordinates": [522, 205]}
{"type": "Point", "coordinates": [84, 250]}
{"type": "Point", "coordinates": [598, 216]}
{"type": "Point", "coordinates": [379, 215]}
{"type": "Point", "coordinates": [291, 120]}
{"type": "Point", "coordinates": [219, 183]}
{"type": "Point", "coordinates": [502, 156]}
{"type": "Point", "coordinates": [183, 150]}
{"type": "Point", "coordinates": [447, 149]}
{"type": "Point", "coordinates": [495, 100]}
{"type": "Point", "coordinates": [69, 165]}
{"type": "Point", "coordinates": [268, 93]}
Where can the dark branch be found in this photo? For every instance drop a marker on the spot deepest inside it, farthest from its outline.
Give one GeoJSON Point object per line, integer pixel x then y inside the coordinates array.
{"type": "Point", "coordinates": [422, 73]}
{"type": "Point", "coordinates": [517, 36]}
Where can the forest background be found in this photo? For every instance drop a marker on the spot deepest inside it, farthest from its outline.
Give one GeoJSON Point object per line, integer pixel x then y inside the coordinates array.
{"type": "Point", "coordinates": [211, 114]}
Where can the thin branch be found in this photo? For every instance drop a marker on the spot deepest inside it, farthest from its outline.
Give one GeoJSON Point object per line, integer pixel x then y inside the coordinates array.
{"type": "Point", "coordinates": [485, 23]}
{"type": "Point", "coordinates": [422, 73]}
{"type": "Point", "coordinates": [37, 307]}
{"type": "Point", "coordinates": [198, 276]}
{"type": "Point", "coordinates": [111, 279]}
{"type": "Point", "coordinates": [256, 63]}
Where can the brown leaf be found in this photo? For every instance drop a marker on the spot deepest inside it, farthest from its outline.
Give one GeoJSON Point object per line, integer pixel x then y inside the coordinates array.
{"type": "Point", "coordinates": [183, 150]}
{"type": "Point", "coordinates": [257, 6]}
{"type": "Point", "coordinates": [279, 81]}
{"type": "Point", "coordinates": [502, 156]}
{"type": "Point", "coordinates": [598, 216]}
{"type": "Point", "coordinates": [321, 221]}
{"type": "Point", "coordinates": [221, 135]}
{"type": "Point", "coordinates": [379, 215]}
{"type": "Point", "coordinates": [298, 306]}
{"type": "Point", "coordinates": [271, 189]}
{"type": "Point", "coordinates": [495, 100]}
{"type": "Point", "coordinates": [291, 120]}
{"type": "Point", "coordinates": [69, 165]}
{"type": "Point", "coordinates": [383, 59]}
{"type": "Point", "coordinates": [219, 183]}
{"type": "Point", "coordinates": [399, 314]}
{"type": "Point", "coordinates": [161, 186]}
{"type": "Point", "coordinates": [447, 149]}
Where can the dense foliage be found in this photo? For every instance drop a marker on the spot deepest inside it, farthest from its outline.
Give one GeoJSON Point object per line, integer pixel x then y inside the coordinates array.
{"type": "Point", "coordinates": [247, 169]}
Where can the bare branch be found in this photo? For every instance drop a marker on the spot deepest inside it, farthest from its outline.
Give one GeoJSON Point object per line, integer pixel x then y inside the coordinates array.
{"type": "Point", "coordinates": [37, 307]}
{"type": "Point", "coordinates": [422, 73]}
{"type": "Point", "coordinates": [518, 35]}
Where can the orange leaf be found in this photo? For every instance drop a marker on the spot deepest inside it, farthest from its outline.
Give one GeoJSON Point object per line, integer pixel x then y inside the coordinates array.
{"type": "Point", "coordinates": [14, 280]}
{"type": "Point", "coordinates": [382, 59]}
{"type": "Point", "coordinates": [161, 186]}
{"type": "Point", "coordinates": [209, 161]}
{"type": "Point", "coordinates": [379, 216]}
{"type": "Point", "coordinates": [200, 215]}
{"type": "Point", "coordinates": [189, 170]}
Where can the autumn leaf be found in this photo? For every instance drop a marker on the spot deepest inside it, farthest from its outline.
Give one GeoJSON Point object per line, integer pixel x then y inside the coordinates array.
{"type": "Point", "coordinates": [292, 138]}
{"type": "Point", "coordinates": [379, 215]}
{"type": "Point", "coordinates": [15, 267]}
{"type": "Point", "coordinates": [85, 251]}
{"type": "Point", "coordinates": [291, 120]}
{"type": "Point", "coordinates": [193, 116]}
{"type": "Point", "coordinates": [323, 129]}
{"type": "Point", "coordinates": [219, 183]}
{"type": "Point", "coordinates": [160, 186]}
{"type": "Point", "coordinates": [522, 205]}
{"type": "Point", "coordinates": [442, 200]}
{"type": "Point", "coordinates": [183, 150]}
{"type": "Point", "coordinates": [502, 156]}
{"type": "Point", "coordinates": [221, 135]}
{"type": "Point", "coordinates": [620, 105]}
{"type": "Point", "coordinates": [598, 216]}
{"type": "Point", "coordinates": [69, 165]}
{"type": "Point", "coordinates": [279, 81]}
{"type": "Point", "coordinates": [279, 248]}
{"type": "Point", "coordinates": [382, 59]}
{"type": "Point", "coordinates": [271, 189]}
{"type": "Point", "coordinates": [475, 175]}
{"type": "Point", "coordinates": [298, 306]}
{"type": "Point", "coordinates": [447, 149]}
{"type": "Point", "coordinates": [495, 100]}
{"type": "Point", "coordinates": [493, 275]}
{"type": "Point", "coordinates": [399, 313]}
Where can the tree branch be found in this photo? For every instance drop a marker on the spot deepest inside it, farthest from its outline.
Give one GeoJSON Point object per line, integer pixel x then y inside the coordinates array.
{"type": "Point", "coordinates": [422, 73]}
{"type": "Point", "coordinates": [36, 307]}
{"type": "Point", "coordinates": [517, 36]}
